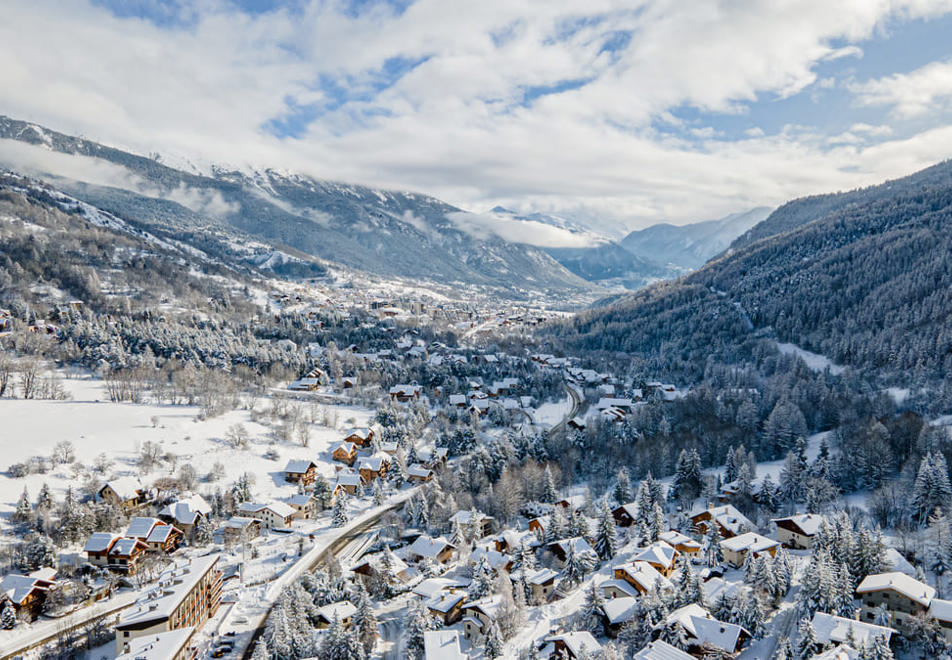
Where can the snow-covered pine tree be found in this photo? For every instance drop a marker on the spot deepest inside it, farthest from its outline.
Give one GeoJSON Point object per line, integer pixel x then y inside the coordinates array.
{"type": "Point", "coordinates": [807, 642]}
{"type": "Point", "coordinates": [577, 564]}
{"type": "Point", "coordinates": [713, 554]}
{"type": "Point", "coordinates": [590, 616]}
{"type": "Point", "coordinates": [658, 524]}
{"type": "Point", "coordinates": [8, 617]}
{"type": "Point", "coordinates": [378, 495]}
{"type": "Point", "coordinates": [687, 586]}
{"type": "Point", "coordinates": [931, 489]}
{"type": "Point", "coordinates": [877, 649]}
{"type": "Point", "coordinates": [418, 621]}
{"type": "Point", "coordinates": [24, 510]}
{"type": "Point", "coordinates": [44, 501]}
{"type": "Point", "coordinates": [493, 646]}
{"type": "Point", "coordinates": [622, 486]}
{"type": "Point", "coordinates": [203, 531]}
{"type": "Point", "coordinates": [730, 468]}
{"type": "Point", "coordinates": [605, 540]}
{"type": "Point", "coordinates": [364, 622]}
{"type": "Point", "coordinates": [549, 492]}
{"type": "Point", "coordinates": [482, 579]}
{"type": "Point", "coordinates": [767, 495]}
{"type": "Point", "coordinates": [261, 652]}
{"type": "Point", "coordinates": [686, 483]}
{"type": "Point", "coordinates": [339, 516]}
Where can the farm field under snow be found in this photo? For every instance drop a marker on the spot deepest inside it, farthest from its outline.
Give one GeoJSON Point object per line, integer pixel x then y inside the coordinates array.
{"type": "Point", "coordinates": [95, 425]}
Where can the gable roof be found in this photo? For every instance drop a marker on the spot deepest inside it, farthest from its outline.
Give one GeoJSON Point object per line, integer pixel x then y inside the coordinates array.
{"type": "Point", "coordinates": [442, 645]}
{"type": "Point", "coordinates": [140, 528]}
{"type": "Point", "coordinates": [299, 466]}
{"type": "Point", "coordinates": [19, 587]}
{"type": "Point", "coordinates": [343, 609]}
{"type": "Point", "coordinates": [807, 524]}
{"type": "Point", "coordinates": [899, 582]}
{"type": "Point", "coordinates": [749, 541]}
{"type": "Point", "coordinates": [100, 541]}
{"type": "Point", "coordinates": [830, 628]}
{"type": "Point", "coordinates": [428, 547]}
{"type": "Point", "coordinates": [645, 575]}
{"type": "Point", "coordinates": [186, 511]}
{"type": "Point", "coordinates": [575, 641]}
{"type": "Point", "coordinates": [126, 488]}
{"type": "Point", "coordinates": [658, 552]}
{"type": "Point", "coordinates": [660, 650]}
{"type": "Point", "coordinates": [620, 610]}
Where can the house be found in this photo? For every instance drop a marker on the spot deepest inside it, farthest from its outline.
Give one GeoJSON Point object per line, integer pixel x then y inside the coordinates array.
{"type": "Point", "coordinates": [571, 502]}
{"type": "Point", "coordinates": [126, 554]}
{"type": "Point", "coordinates": [642, 576]}
{"type": "Point", "coordinates": [276, 515]}
{"type": "Point", "coordinates": [479, 615]}
{"type": "Point", "coordinates": [730, 522]}
{"type": "Point", "coordinates": [703, 633]}
{"type": "Point", "coordinates": [561, 548]}
{"type": "Point", "coordinates": [304, 505]}
{"type": "Point", "coordinates": [605, 403]}
{"type": "Point", "coordinates": [98, 546]}
{"type": "Point", "coordinates": [172, 645]}
{"type": "Point", "coordinates": [497, 560]}
{"type": "Point", "coordinates": [619, 611]}
{"type": "Point", "coordinates": [27, 593]}
{"type": "Point", "coordinates": [510, 539]}
{"type": "Point", "coordinates": [362, 437]}
{"type": "Point", "coordinates": [660, 650]}
{"type": "Point", "coordinates": [343, 611]}
{"type": "Point", "coordinates": [425, 547]}
{"type": "Point", "coordinates": [404, 393]}
{"type": "Point", "coordinates": [798, 532]}
{"type": "Point", "coordinates": [660, 556]}
{"type": "Point", "coordinates": [187, 594]}
{"type": "Point", "coordinates": [126, 493]}
{"type": "Point", "coordinates": [164, 538]}
{"type": "Point", "coordinates": [626, 514]}
{"type": "Point", "coordinates": [680, 542]}
{"type": "Point", "coordinates": [735, 549]}
{"type": "Point", "coordinates": [305, 385]}
{"type": "Point", "coordinates": [186, 513]}
{"type": "Point", "coordinates": [475, 524]}
{"type": "Point", "coordinates": [238, 528]}
{"type": "Point", "coordinates": [442, 645]}
{"type": "Point", "coordinates": [577, 424]}
{"type": "Point", "coordinates": [613, 588]}
{"type": "Point", "coordinates": [347, 482]}
{"type": "Point", "coordinates": [371, 467]}
{"type": "Point", "coordinates": [418, 473]}
{"type": "Point", "coordinates": [300, 472]}
{"type": "Point", "coordinates": [345, 452]}
{"type": "Point", "coordinates": [903, 596]}
{"type": "Point", "coordinates": [570, 645]}
{"type": "Point", "coordinates": [831, 629]}
{"type": "Point", "coordinates": [458, 400]}
{"type": "Point", "coordinates": [447, 606]}
{"type": "Point", "coordinates": [392, 569]}
{"type": "Point", "coordinates": [941, 612]}
{"type": "Point", "coordinates": [542, 584]}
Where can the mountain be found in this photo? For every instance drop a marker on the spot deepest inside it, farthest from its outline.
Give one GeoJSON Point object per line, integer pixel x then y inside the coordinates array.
{"type": "Point", "coordinates": [867, 285]}
{"type": "Point", "coordinates": [807, 209]}
{"type": "Point", "coordinates": [590, 255]}
{"type": "Point", "coordinates": [690, 246]}
{"type": "Point", "coordinates": [384, 232]}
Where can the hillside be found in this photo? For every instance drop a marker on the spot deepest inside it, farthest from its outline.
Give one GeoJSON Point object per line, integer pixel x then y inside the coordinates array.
{"type": "Point", "coordinates": [384, 232]}
{"type": "Point", "coordinates": [690, 246]}
{"type": "Point", "coordinates": [868, 285]}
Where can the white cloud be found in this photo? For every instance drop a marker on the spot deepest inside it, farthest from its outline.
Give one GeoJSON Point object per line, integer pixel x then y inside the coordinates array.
{"type": "Point", "coordinates": [456, 126]}
{"type": "Point", "coordinates": [918, 92]}
{"type": "Point", "coordinates": [483, 225]}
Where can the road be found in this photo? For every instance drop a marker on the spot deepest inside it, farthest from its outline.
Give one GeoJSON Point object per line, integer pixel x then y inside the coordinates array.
{"type": "Point", "coordinates": [391, 645]}
{"type": "Point", "coordinates": [576, 407]}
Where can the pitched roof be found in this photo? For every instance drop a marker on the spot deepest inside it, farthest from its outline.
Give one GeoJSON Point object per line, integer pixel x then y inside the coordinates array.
{"type": "Point", "coordinates": [100, 541]}
{"type": "Point", "coordinates": [899, 582]}
{"type": "Point", "coordinates": [299, 466]}
{"type": "Point", "coordinates": [161, 533]}
{"type": "Point", "coordinates": [807, 523]}
{"type": "Point", "coordinates": [140, 528]}
{"type": "Point", "coordinates": [126, 488]}
{"type": "Point", "coordinates": [442, 645]}
{"type": "Point", "coordinates": [444, 601]}
{"type": "Point", "coordinates": [645, 575]}
{"type": "Point", "coordinates": [426, 546]}
{"type": "Point", "coordinates": [575, 641]}
{"type": "Point", "coordinates": [185, 511]}
{"type": "Point", "coordinates": [675, 537]}
{"type": "Point", "coordinates": [620, 610]}
{"type": "Point", "coordinates": [660, 650]}
{"type": "Point", "coordinates": [18, 587]}
{"type": "Point", "coordinates": [749, 541]}
{"type": "Point", "coordinates": [125, 547]}
{"type": "Point", "coordinates": [343, 609]}
{"type": "Point", "coordinates": [941, 609]}
{"type": "Point", "coordinates": [658, 552]}
{"type": "Point", "coordinates": [836, 629]}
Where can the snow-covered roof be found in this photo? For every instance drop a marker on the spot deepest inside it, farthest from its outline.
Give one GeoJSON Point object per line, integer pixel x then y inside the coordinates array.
{"type": "Point", "coordinates": [457, 399]}
{"type": "Point", "coordinates": [280, 509]}
{"type": "Point", "coordinates": [372, 463]}
{"type": "Point", "coordinates": [728, 517]}
{"type": "Point", "coordinates": [348, 479]}
{"type": "Point", "coordinates": [830, 628]}
{"type": "Point", "coordinates": [658, 552]}
{"type": "Point", "coordinates": [645, 575]}
{"type": "Point", "coordinates": [442, 645]}
{"type": "Point", "coordinates": [160, 534]}
{"type": "Point", "coordinates": [841, 652]}
{"type": "Point", "coordinates": [749, 541]}
{"type": "Point", "coordinates": [718, 634]}
{"type": "Point", "coordinates": [343, 609]}
{"type": "Point", "coordinates": [444, 601]}
{"type": "Point", "coordinates": [158, 646]}
{"type": "Point", "coordinates": [363, 433]}
{"type": "Point", "coordinates": [683, 616]}
{"type": "Point", "coordinates": [299, 499]}
{"type": "Point", "coordinates": [675, 537]}
{"type": "Point", "coordinates": [620, 610]}
{"type": "Point", "coordinates": [578, 543]}
{"type": "Point", "coordinates": [660, 650]}
{"type": "Point", "coordinates": [619, 585]}
{"type": "Point", "coordinates": [490, 605]}
{"type": "Point", "coordinates": [899, 582]}
{"type": "Point", "coordinates": [126, 488]}
{"type": "Point", "coordinates": [417, 470]}
{"type": "Point", "coordinates": [100, 542]}
{"type": "Point", "coordinates": [576, 641]}
{"type": "Point", "coordinates": [185, 511]}
{"type": "Point", "coordinates": [174, 585]}
{"type": "Point", "coordinates": [425, 546]}
{"type": "Point", "coordinates": [140, 528]}
{"type": "Point", "coordinates": [125, 547]}
{"type": "Point", "coordinates": [542, 576]}
{"type": "Point", "coordinates": [467, 516]}
{"type": "Point", "coordinates": [495, 559]}
{"type": "Point", "coordinates": [18, 587]}
{"type": "Point", "coordinates": [807, 523]}
{"type": "Point", "coordinates": [939, 609]}
{"type": "Point", "coordinates": [432, 586]}
{"type": "Point", "coordinates": [299, 466]}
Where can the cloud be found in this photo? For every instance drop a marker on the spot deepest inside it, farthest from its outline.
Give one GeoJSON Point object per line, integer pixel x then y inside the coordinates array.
{"type": "Point", "coordinates": [543, 106]}
{"type": "Point", "coordinates": [912, 94]}
{"type": "Point", "coordinates": [509, 228]}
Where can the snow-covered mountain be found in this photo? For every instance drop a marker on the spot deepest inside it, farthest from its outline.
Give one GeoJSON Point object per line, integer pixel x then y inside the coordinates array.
{"type": "Point", "coordinates": [690, 246]}
{"type": "Point", "coordinates": [385, 232]}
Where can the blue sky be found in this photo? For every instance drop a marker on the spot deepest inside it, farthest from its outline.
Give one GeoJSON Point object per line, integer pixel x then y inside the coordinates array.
{"type": "Point", "coordinates": [617, 115]}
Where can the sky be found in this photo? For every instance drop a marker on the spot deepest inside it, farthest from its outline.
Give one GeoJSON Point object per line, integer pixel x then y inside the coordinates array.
{"type": "Point", "coordinates": [614, 114]}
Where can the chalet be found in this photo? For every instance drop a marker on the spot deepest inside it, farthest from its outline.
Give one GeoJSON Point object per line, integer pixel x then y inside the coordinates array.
{"type": "Point", "coordinates": [736, 548]}
{"type": "Point", "coordinates": [903, 596]}
{"type": "Point", "coordinates": [347, 482]}
{"type": "Point", "coordinates": [348, 382]}
{"type": "Point", "coordinates": [187, 594]}
{"type": "Point", "coordinates": [613, 588]}
{"type": "Point", "coordinates": [300, 472]}
{"type": "Point", "coordinates": [619, 611]}
{"type": "Point", "coordinates": [642, 576]}
{"type": "Point", "coordinates": [164, 538]}
{"type": "Point", "coordinates": [660, 556]}
{"type": "Point", "coordinates": [276, 515]}
{"type": "Point", "coordinates": [497, 560]}
{"type": "Point", "coordinates": [436, 458]}
{"type": "Point", "coordinates": [372, 467]}
{"type": "Point", "coordinates": [386, 565]}
{"type": "Point", "coordinates": [625, 515]}
{"type": "Point", "coordinates": [570, 646]}
{"type": "Point", "coordinates": [27, 593]}
{"type": "Point", "coordinates": [577, 544]}
{"type": "Point", "coordinates": [418, 473]}
{"type": "Point", "coordinates": [345, 452]}
{"type": "Point", "coordinates": [475, 524]}
{"type": "Point", "coordinates": [126, 554]}
{"type": "Point", "coordinates": [98, 546]}
{"type": "Point", "coordinates": [510, 539]}
{"type": "Point", "coordinates": [304, 505]}
{"type": "Point", "coordinates": [479, 615]}
{"type": "Point", "coordinates": [343, 611]}
{"type": "Point", "coordinates": [730, 522]}
{"type": "Point", "coordinates": [458, 400]}
{"type": "Point", "coordinates": [542, 584]}
{"type": "Point", "coordinates": [388, 448]}
{"type": "Point", "coordinates": [612, 415]}
{"type": "Point", "coordinates": [447, 606]}
{"type": "Point", "coordinates": [405, 393]}
{"type": "Point", "coordinates": [361, 437]}
{"type": "Point", "coordinates": [442, 645]}
{"type": "Point", "coordinates": [171, 645]}
{"type": "Point", "coordinates": [605, 403]}
{"type": "Point", "coordinates": [941, 612]}
{"type": "Point", "coordinates": [571, 502]}
{"type": "Point", "coordinates": [425, 547]}
{"type": "Point", "coordinates": [186, 513]}
{"type": "Point", "coordinates": [831, 629]}
{"type": "Point", "coordinates": [537, 526]}
{"type": "Point", "coordinates": [126, 493]}
{"type": "Point", "coordinates": [680, 542]}
{"type": "Point", "coordinates": [238, 528]}
{"type": "Point", "coordinates": [798, 532]}
{"type": "Point", "coordinates": [702, 633]}
{"type": "Point", "coordinates": [140, 528]}
{"type": "Point", "coordinates": [577, 423]}
{"type": "Point", "coordinates": [660, 650]}
{"type": "Point", "coordinates": [479, 406]}
{"type": "Point", "coordinates": [305, 385]}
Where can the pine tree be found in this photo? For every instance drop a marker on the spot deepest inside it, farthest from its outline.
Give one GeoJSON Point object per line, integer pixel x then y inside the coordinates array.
{"type": "Point", "coordinates": [878, 649]}
{"type": "Point", "coordinates": [713, 554]}
{"type": "Point", "coordinates": [482, 580]}
{"type": "Point", "coordinates": [203, 531]}
{"type": "Point", "coordinates": [730, 468]}
{"type": "Point", "coordinates": [339, 516]}
{"type": "Point", "coordinates": [658, 524]}
{"type": "Point", "coordinates": [322, 492]}
{"type": "Point", "coordinates": [549, 492]}
{"type": "Point", "coordinates": [767, 495]}
{"type": "Point", "coordinates": [623, 486]}
{"type": "Point", "coordinates": [807, 642]}
{"type": "Point", "coordinates": [44, 501]}
{"type": "Point", "coordinates": [378, 492]}
{"type": "Point", "coordinates": [784, 650]}
{"type": "Point", "coordinates": [493, 645]}
{"type": "Point", "coordinates": [931, 489]}
{"type": "Point", "coordinates": [364, 622]}
{"type": "Point", "coordinates": [687, 585]}
{"type": "Point", "coordinates": [577, 564]}
{"type": "Point", "coordinates": [24, 510]}
{"type": "Point", "coordinates": [418, 622]}
{"type": "Point", "coordinates": [8, 617]}
{"type": "Point", "coordinates": [592, 612]}
{"type": "Point", "coordinates": [605, 540]}
{"type": "Point", "coordinates": [261, 651]}
{"type": "Point", "coordinates": [686, 484]}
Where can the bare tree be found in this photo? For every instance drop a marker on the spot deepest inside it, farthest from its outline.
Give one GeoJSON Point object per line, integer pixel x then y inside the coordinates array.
{"type": "Point", "coordinates": [29, 371]}
{"type": "Point", "coordinates": [6, 373]}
